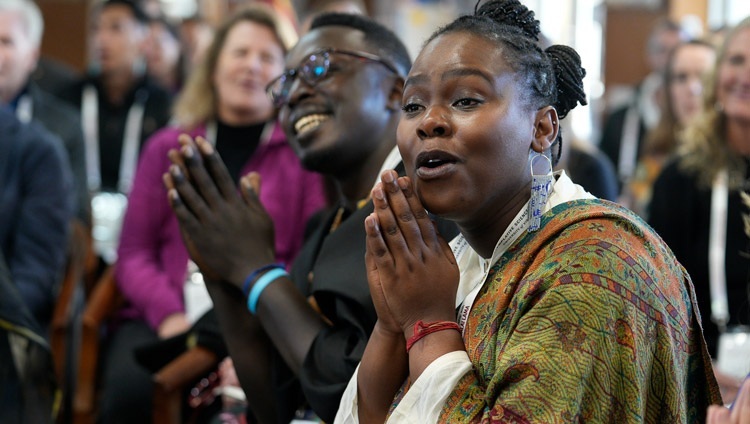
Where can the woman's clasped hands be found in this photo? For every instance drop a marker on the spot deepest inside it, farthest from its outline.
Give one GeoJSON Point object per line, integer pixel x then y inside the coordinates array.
{"type": "Point", "coordinates": [411, 270]}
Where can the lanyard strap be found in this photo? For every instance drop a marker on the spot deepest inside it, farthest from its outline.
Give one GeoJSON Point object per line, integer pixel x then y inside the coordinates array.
{"type": "Point", "coordinates": [25, 109]}
{"type": "Point", "coordinates": [717, 240]}
{"type": "Point", "coordinates": [130, 142]}
{"type": "Point", "coordinates": [628, 144]}
{"type": "Point", "coordinates": [517, 227]}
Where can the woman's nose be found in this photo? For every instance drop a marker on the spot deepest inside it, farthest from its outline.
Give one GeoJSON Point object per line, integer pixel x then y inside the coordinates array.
{"type": "Point", "coordinates": [434, 124]}
{"type": "Point", "coordinates": [696, 87]}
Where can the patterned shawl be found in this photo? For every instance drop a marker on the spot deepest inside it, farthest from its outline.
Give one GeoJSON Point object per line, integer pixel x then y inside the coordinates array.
{"type": "Point", "coordinates": [589, 319]}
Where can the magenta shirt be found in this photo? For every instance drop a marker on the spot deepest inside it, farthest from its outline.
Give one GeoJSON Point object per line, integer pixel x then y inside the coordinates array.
{"type": "Point", "coordinates": [152, 259]}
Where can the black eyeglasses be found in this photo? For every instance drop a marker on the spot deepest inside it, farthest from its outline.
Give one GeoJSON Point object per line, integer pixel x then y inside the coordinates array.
{"type": "Point", "coordinates": [313, 69]}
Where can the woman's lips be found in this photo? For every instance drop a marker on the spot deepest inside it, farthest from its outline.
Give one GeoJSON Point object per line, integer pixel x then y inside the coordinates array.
{"type": "Point", "coordinates": [435, 164]}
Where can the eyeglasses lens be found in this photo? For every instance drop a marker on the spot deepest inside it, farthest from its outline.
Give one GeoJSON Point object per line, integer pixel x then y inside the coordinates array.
{"type": "Point", "coordinates": [312, 70]}
{"type": "Point", "coordinates": [315, 68]}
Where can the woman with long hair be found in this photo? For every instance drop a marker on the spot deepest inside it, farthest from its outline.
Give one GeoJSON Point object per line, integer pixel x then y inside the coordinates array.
{"type": "Point", "coordinates": [700, 207]}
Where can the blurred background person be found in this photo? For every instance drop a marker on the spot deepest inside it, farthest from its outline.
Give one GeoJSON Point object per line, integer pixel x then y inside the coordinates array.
{"type": "Point", "coordinates": [307, 10]}
{"type": "Point", "coordinates": [120, 108]}
{"type": "Point", "coordinates": [36, 206]}
{"type": "Point", "coordinates": [27, 387]}
{"type": "Point", "coordinates": [684, 76]}
{"type": "Point", "coordinates": [21, 28]}
{"type": "Point", "coordinates": [195, 36]}
{"type": "Point", "coordinates": [163, 52]}
{"type": "Point", "coordinates": [587, 165]}
{"type": "Point", "coordinates": [697, 207]}
{"type": "Point", "coordinates": [224, 101]}
{"type": "Point", "coordinates": [626, 126]}
{"type": "Point", "coordinates": [583, 161]}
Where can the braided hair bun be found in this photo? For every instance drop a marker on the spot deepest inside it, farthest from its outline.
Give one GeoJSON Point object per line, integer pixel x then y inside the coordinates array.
{"type": "Point", "coordinates": [565, 90]}
{"type": "Point", "coordinates": [569, 77]}
{"type": "Point", "coordinates": [511, 13]}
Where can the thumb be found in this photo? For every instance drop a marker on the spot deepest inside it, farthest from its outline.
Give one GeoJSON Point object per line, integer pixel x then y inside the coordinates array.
{"type": "Point", "coordinates": [250, 185]}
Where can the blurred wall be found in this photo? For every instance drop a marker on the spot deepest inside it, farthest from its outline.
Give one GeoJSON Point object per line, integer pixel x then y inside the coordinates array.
{"type": "Point", "coordinates": [65, 24]}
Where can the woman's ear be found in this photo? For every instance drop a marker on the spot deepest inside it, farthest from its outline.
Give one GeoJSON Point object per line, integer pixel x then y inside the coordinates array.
{"type": "Point", "coordinates": [546, 126]}
{"type": "Point", "coordinates": [396, 93]}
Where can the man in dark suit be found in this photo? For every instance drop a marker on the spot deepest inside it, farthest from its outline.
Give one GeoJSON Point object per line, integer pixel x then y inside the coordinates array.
{"type": "Point", "coordinates": [21, 29]}
{"type": "Point", "coordinates": [36, 205]}
{"type": "Point", "coordinates": [27, 385]}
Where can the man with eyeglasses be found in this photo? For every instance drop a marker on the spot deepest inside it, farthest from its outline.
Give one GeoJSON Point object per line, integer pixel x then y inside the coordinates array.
{"type": "Point", "coordinates": [339, 103]}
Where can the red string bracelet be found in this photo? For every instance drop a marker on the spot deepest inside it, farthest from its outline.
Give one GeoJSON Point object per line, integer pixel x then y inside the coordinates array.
{"type": "Point", "coordinates": [422, 329]}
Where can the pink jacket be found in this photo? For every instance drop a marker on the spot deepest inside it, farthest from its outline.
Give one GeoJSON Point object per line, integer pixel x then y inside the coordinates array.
{"type": "Point", "coordinates": [152, 259]}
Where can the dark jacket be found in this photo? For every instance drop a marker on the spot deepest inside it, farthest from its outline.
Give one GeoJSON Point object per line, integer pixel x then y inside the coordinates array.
{"type": "Point", "coordinates": [36, 205]}
{"type": "Point", "coordinates": [64, 121]}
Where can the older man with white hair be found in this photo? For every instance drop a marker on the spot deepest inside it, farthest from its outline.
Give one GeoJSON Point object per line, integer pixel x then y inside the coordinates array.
{"type": "Point", "coordinates": [21, 28]}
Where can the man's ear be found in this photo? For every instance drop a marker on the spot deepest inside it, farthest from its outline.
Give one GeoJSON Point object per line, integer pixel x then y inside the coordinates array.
{"type": "Point", "coordinates": [395, 94]}
{"type": "Point", "coordinates": [546, 126]}
{"type": "Point", "coordinates": [34, 59]}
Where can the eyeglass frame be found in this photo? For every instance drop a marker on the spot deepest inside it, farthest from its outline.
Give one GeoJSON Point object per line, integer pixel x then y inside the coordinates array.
{"type": "Point", "coordinates": [295, 72]}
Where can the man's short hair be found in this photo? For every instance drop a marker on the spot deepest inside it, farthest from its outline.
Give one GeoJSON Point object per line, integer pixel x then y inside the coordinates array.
{"type": "Point", "coordinates": [32, 17]}
{"type": "Point", "coordinates": [139, 14]}
{"type": "Point", "coordinates": [377, 36]}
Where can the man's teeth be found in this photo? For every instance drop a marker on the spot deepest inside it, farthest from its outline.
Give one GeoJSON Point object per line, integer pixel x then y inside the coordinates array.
{"type": "Point", "coordinates": [309, 122]}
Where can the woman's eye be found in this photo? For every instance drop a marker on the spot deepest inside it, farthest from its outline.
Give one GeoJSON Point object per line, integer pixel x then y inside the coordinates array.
{"type": "Point", "coordinates": [410, 108]}
{"type": "Point", "coordinates": [736, 59]}
{"type": "Point", "coordinates": [680, 78]}
{"type": "Point", "coordinates": [466, 102]}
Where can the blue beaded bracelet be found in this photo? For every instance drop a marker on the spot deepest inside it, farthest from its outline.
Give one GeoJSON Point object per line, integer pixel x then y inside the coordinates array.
{"type": "Point", "coordinates": [253, 275]}
{"type": "Point", "coordinates": [261, 284]}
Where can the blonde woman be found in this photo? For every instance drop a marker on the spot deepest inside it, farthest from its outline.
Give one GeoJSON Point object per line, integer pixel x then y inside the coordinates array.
{"type": "Point", "coordinates": [698, 210]}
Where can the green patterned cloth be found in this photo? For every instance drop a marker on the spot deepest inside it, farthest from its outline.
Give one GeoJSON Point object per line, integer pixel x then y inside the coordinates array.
{"type": "Point", "coordinates": [589, 319]}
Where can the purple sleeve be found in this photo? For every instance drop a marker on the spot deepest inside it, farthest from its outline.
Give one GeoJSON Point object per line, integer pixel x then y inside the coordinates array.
{"type": "Point", "coordinates": [311, 198]}
{"type": "Point", "coordinates": [151, 259]}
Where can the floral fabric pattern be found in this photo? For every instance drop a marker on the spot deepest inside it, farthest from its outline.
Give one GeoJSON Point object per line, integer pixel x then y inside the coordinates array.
{"type": "Point", "coordinates": [589, 319]}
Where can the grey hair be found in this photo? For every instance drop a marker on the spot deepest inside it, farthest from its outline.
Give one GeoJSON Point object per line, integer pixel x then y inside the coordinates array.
{"type": "Point", "coordinates": [32, 17]}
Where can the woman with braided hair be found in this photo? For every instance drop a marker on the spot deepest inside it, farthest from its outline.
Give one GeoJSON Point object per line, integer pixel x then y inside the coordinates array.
{"type": "Point", "coordinates": [551, 306]}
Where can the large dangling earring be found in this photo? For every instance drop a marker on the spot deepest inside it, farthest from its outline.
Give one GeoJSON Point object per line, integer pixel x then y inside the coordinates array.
{"type": "Point", "coordinates": [540, 188]}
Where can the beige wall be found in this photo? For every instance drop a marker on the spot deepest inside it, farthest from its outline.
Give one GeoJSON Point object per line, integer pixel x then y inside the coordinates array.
{"type": "Point", "coordinates": [679, 8]}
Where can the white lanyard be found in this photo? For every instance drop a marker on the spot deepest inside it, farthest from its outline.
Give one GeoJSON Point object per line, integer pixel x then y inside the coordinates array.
{"type": "Point", "coordinates": [628, 144]}
{"type": "Point", "coordinates": [25, 109]}
{"type": "Point", "coordinates": [717, 240]}
{"type": "Point", "coordinates": [130, 143]}
{"type": "Point", "coordinates": [517, 227]}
